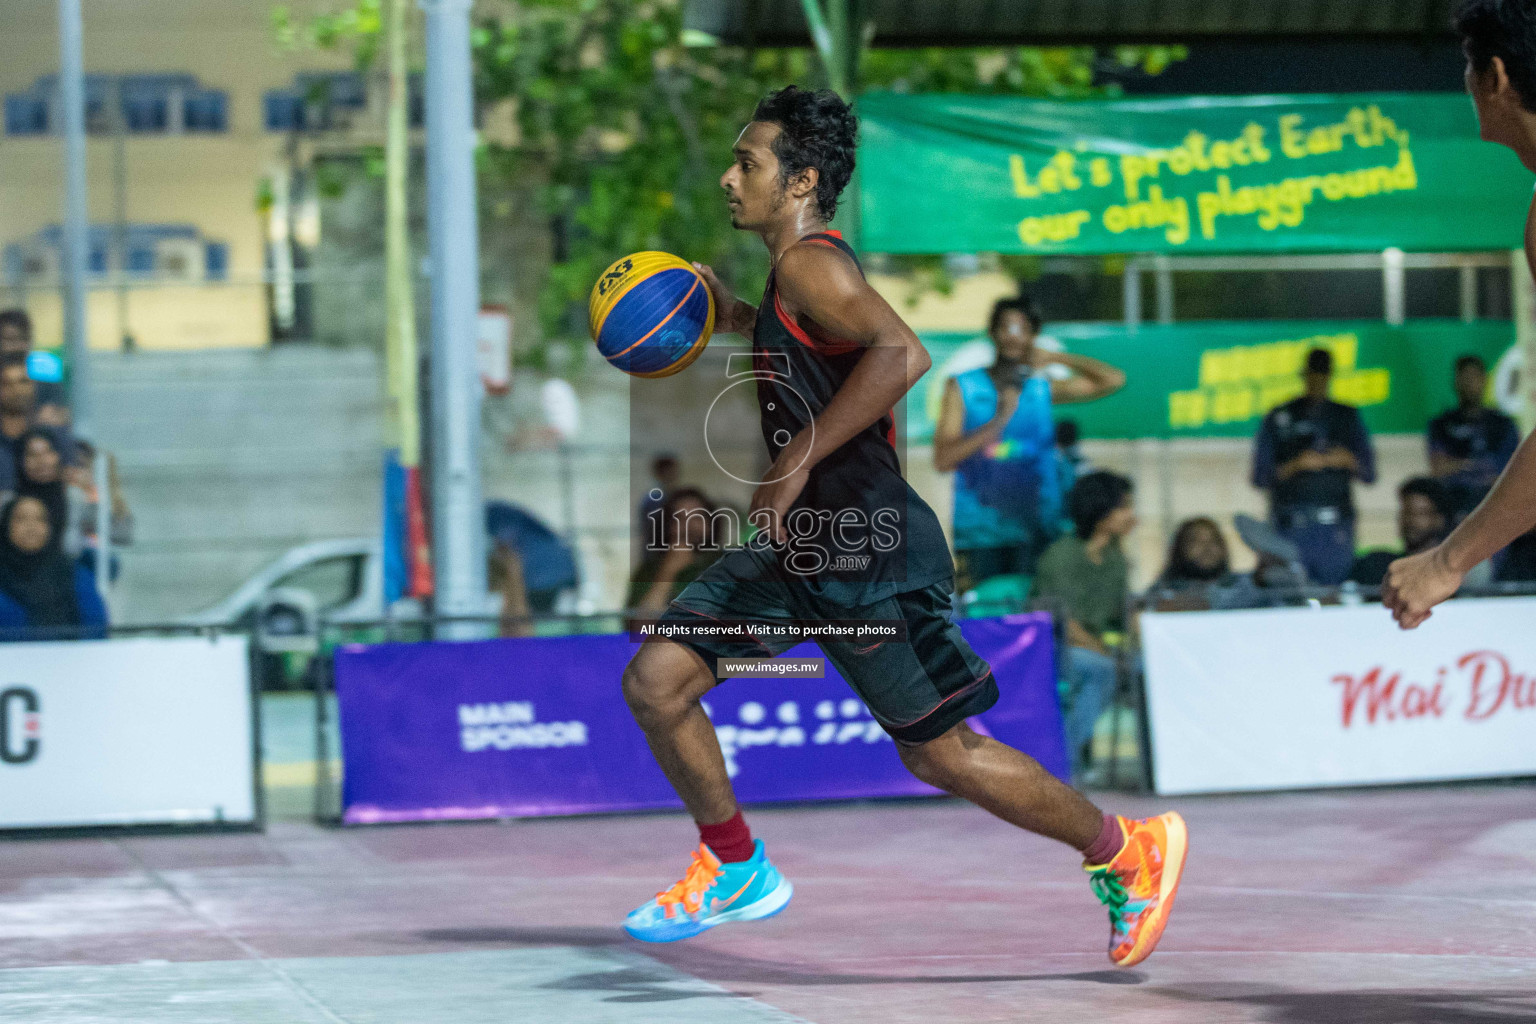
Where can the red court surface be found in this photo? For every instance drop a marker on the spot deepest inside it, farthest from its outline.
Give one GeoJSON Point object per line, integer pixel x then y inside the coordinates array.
{"type": "Point", "coordinates": [1400, 907]}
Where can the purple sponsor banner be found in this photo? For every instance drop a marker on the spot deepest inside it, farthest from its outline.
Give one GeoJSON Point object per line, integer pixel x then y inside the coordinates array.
{"type": "Point", "coordinates": [538, 726]}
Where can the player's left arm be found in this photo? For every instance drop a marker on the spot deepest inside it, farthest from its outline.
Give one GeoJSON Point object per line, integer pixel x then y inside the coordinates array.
{"type": "Point", "coordinates": [824, 292]}
{"type": "Point", "coordinates": [1091, 379]}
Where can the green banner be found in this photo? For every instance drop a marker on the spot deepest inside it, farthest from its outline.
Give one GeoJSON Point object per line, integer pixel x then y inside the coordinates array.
{"type": "Point", "coordinates": [954, 173]}
{"type": "Point", "coordinates": [1218, 378]}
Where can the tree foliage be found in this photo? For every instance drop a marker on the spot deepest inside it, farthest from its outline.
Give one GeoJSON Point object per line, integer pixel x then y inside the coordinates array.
{"type": "Point", "coordinates": [625, 121]}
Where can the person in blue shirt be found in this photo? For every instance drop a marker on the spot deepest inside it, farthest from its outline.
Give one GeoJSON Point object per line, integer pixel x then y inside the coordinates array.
{"type": "Point", "coordinates": [995, 432]}
{"type": "Point", "coordinates": [1307, 455]}
{"type": "Point", "coordinates": [1470, 445]}
{"type": "Point", "coordinates": [43, 594]}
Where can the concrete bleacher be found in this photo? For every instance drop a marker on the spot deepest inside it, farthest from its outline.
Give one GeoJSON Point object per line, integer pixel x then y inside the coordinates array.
{"type": "Point", "coordinates": [229, 458]}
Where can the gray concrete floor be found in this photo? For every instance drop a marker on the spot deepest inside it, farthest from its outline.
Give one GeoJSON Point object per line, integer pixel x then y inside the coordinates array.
{"type": "Point", "coordinates": [1389, 907]}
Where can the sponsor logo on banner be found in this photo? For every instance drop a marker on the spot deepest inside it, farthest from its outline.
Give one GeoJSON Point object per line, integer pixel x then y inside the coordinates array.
{"type": "Point", "coordinates": [1478, 686]}
{"type": "Point", "coordinates": [21, 725]}
{"type": "Point", "coordinates": [835, 723]}
{"type": "Point", "coordinates": [513, 725]}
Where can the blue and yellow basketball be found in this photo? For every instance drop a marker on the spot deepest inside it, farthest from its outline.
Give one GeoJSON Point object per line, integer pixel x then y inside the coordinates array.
{"type": "Point", "coordinates": [651, 314]}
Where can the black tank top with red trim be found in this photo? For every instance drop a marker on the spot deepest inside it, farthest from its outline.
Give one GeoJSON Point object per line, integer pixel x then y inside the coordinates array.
{"type": "Point", "coordinates": [859, 532]}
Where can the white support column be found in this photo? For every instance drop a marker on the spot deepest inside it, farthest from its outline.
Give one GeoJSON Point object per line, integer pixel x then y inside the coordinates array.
{"type": "Point", "coordinates": [1394, 278]}
{"type": "Point", "coordinates": [1468, 281]}
{"type": "Point", "coordinates": [1131, 285]}
{"type": "Point", "coordinates": [1162, 269]}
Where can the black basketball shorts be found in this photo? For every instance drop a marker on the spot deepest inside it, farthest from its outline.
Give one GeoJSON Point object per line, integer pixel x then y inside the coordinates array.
{"type": "Point", "coordinates": [917, 689]}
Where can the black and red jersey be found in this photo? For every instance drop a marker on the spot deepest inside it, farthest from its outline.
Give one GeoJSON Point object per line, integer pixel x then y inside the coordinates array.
{"type": "Point", "coordinates": [866, 534]}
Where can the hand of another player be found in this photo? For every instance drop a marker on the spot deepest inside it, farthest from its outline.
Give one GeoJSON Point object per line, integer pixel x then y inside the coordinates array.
{"type": "Point", "coordinates": [725, 300]}
{"type": "Point", "coordinates": [1414, 585]}
{"type": "Point", "coordinates": [781, 486]}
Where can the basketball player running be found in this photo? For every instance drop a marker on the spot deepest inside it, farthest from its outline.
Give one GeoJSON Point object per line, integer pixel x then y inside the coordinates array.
{"type": "Point", "coordinates": [833, 359]}
{"type": "Point", "coordinates": [1499, 37]}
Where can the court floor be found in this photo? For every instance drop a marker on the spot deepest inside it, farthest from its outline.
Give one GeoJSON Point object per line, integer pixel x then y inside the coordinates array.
{"type": "Point", "coordinates": [1413, 906]}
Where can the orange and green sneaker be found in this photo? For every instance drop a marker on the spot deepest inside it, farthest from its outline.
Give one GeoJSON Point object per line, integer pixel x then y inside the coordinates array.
{"type": "Point", "coordinates": [1139, 884]}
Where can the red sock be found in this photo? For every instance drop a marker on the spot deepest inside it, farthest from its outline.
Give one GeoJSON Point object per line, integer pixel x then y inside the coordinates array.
{"type": "Point", "coordinates": [1110, 842]}
{"type": "Point", "coordinates": [731, 840]}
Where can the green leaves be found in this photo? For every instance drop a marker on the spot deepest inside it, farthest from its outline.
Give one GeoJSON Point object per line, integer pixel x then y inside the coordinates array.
{"type": "Point", "coordinates": [625, 122]}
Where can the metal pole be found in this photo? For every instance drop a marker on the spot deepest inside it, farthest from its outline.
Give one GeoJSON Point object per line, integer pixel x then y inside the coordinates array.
{"type": "Point", "coordinates": [101, 473]}
{"type": "Point", "coordinates": [119, 261]}
{"type": "Point", "coordinates": [458, 529]}
{"type": "Point", "coordinates": [75, 241]}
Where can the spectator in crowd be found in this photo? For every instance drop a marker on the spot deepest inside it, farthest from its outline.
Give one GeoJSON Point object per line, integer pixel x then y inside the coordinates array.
{"type": "Point", "coordinates": [16, 343]}
{"type": "Point", "coordinates": [1083, 581]}
{"type": "Point", "coordinates": [1197, 558]}
{"type": "Point", "coordinates": [1307, 454]}
{"type": "Point", "coordinates": [546, 563]}
{"type": "Point", "coordinates": [40, 474]}
{"type": "Point", "coordinates": [995, 433]}
{"type": "Point", "coordinates": [1470, 445]}
{"type": "Point", "coordinates": [665, 473]}
{"type": "Point", "coordinates": [504, 577]}
{"type": "Point", "coordinates": [692, 535]}
{"type": "Point", "coordinates": [1425, 514]}
{"type": "Point", "coordinates": [19, 413]}
{"type": "Point", "coordinates": [43, 594]}
{"type": "Point", "coordinates": [1071, 463]}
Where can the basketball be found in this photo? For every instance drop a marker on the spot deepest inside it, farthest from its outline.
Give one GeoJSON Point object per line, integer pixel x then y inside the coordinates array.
{"type": "Point", "coordinates": [651, 314]}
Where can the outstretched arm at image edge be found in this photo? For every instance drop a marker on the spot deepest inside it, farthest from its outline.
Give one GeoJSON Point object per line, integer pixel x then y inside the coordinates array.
{"type": "Point", "coordinates": [1415, 585]}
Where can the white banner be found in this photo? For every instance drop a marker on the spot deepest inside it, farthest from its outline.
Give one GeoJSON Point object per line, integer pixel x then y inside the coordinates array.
{"type": "Point", "coordinates": [1299, 697]}
{"type": "Point", "coordinates": [117, 732]}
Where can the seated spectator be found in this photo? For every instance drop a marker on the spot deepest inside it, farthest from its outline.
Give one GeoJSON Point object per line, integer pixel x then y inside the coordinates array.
{"type": "Point", "coordinates": [1278, 580]}
{"type": "Point", "coordinates": [1083, 580]}
{"type": "Point", "coordinates": [40, 474]}
{"type": "Point", "coordinates": [1470, 445]}
{"type": "Point", "coordinates": [1425, 511]}
{"type": "Point", "coordinates": [504, 577]}
{"type": "Point", "coordinates": [691, 546]}
{"type": "Point", "coordinates": [1071, 463]}
{"type": "Point", "coordinates": [547, 565]}
{"type": "Point", "coordinates": [666, 475]}
{"type": "Point", "coordinates": [16, 343]}
{"type": "Point", "coordinates": [43, 594]}
{"type": "Point", "coordinates": [19, 413]}
{"type": "Point", "coordinates": [1197, 557]}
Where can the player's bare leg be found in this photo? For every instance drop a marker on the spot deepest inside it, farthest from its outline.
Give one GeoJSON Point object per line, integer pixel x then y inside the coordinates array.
{"type": "Point", "coordinates": [663, 686]}
{"type": "Point", "coordinates": [731, 877]}
{"type": "Point", "coordinates": [1011, 785]}
{"type": "Point", "coordinates": [1134, 866]}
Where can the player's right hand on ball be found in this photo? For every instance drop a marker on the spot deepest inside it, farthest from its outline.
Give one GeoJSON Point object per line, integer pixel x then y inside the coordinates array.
{"type": "Point", "coordinates": [725, 299]}
{"type": "Point", "coordinates": [1414, 585]}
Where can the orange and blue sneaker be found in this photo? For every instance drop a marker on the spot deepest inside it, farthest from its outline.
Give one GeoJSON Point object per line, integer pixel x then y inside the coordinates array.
{"type": "Point", "coordinates": [1139, 884]}
{"type": "Point", "coordinates": [710, 894]}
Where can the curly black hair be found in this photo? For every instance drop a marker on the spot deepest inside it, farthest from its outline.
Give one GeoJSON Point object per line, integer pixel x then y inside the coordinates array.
{"type": "Point", "coordinates": [816, 129]}
{"type": "Point", "coordinates": [1505, 29]}
{"type": "Point", "coordinates": [1023, 305]}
